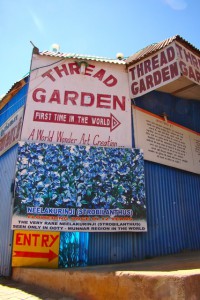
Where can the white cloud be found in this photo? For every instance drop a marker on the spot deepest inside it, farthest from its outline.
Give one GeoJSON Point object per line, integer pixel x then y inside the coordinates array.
{"type": "Point", "coordinates": [176, 4]}
{"type": "Point", "coordinates": [38, 23]}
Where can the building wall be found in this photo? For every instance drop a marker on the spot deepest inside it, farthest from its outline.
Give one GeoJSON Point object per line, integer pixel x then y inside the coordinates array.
{"type": "Point", "coordinates": [173, 199]}
{"type": "Point", "coordinates": [7, 174]}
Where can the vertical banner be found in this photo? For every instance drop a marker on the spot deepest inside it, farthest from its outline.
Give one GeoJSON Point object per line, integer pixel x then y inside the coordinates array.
{"type": "Point", "coordinates": [68, 106]}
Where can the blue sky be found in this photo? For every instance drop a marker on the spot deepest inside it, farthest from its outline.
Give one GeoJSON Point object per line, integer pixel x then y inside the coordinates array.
{"type": "Point", "coordinates": [92, 27]}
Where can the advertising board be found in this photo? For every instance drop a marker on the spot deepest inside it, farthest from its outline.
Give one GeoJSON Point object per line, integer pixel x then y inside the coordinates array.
{"type": "Point", "coordinates": [79, 188]}
{"type": "Point", "coordinates": [10, 131]}
{"type": "Point", "coordinates": [163, 67]}
{"type": "Point", "coordinates": [166, 142]}
{"type": "Point", "coordinates": [68, 106]}
{"type": "Point", "coordinates": [35, 249]}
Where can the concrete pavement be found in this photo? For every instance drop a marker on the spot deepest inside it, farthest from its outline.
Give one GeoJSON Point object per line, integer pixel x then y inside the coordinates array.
{"type": "Point", "coordinates": [173, 277]}
{"type": "Point", "coordinates": [12, 290]}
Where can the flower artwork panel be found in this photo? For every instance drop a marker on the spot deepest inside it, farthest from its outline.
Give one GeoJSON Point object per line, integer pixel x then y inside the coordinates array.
{"type": "Point", "coordinates": [79, 188]}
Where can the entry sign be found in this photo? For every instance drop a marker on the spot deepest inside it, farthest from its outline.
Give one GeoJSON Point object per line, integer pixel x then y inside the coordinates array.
{"type": "Point", "coordinates": [35, 249]}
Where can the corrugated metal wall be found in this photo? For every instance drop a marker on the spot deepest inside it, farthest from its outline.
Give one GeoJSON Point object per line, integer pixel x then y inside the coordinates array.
{"type": "Point", "coordinates": [7, 173]}
{"type": "Point", "coordinates": [173, 199]}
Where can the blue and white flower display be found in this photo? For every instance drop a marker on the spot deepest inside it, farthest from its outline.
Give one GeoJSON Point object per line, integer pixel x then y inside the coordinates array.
{"type": "Point", "coordinates": [62, 176]}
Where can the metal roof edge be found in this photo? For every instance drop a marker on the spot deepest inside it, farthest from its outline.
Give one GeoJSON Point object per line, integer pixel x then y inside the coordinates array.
{"type": "Point", "coordinates": [83, 56]}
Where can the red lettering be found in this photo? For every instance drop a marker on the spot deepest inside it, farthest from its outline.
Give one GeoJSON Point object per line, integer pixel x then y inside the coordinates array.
{"type": "Point", "coordinates": [147, 66]}
{"type": "Point", "coordinates": [110, 81]}
{"type": "Point", "coordinates": [142, 85]}
{"type": "Point", "coordinates": [134, 88]}
{"type": "Point", "coordinates": [157, 77]}
{"type": "Point", "coordinates": [27, 239]}
{"type": "Point", "coordinates": [140, 70]}
{"type": "Point", "coordinates": [132, 71]}
{"type": "Point", "coordinates": [70, 96]}
{"type": "Point", "coordinates": [49, 75]}
{"type": "Point", "coordinates": [170, 53]}
{"type": "Point", "coordinates": [188, 56]}
{"type": "Point", "coordinates": [179, 48]}
{"type": "Point", "coordinates": [19, 239]}
{"type": "Point", "coordinates": [183, 68]}
{"type": "Point", "coordinates": [191, 73]}
{"type": "Point", "coordinates": [194, 61]}
{"type": "Point", "coordinates": [165, 74]}
{"type": "Point", "coordinates": [62, 69]}
{"type": "Point", "coordinates": [149, 81]}
{"type": "Point", "coordinates": [174, 69]}
{"type": "Point", "coordinates": [89, 69]}
{"type": "Point", "coordinates": [155, 62]}
{"type": "Point", "coordinates": [35, 238]}
{"type": "Point", "coordinates": [163, 59]}
{"type": "Point", "coordinates": [37, 97]}
{"type": "Point", "coordinates": [120, 103]}
{"type": "Point", "coordinates": [54, 238]}
{"type": "Point", "coordinates": [198, 76]}
{"type": "Point", "coordinates": [55, 97]}
{"type": "Point", "coordinates": [102, 102]}
{"type": "Point", "coordinates": [87, 99]}
{"type": "Point", "coordinates": [45, 239]}
{"type": "Point", "coordinates": [74, 68]}
{"type": "Point", "coordinates": [100, 74]}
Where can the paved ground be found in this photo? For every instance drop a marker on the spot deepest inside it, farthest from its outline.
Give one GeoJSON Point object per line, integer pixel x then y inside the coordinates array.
{"type": "Point", "coordinates": [177, 264]}
{"type": "Point", "coordinates": [11, 290]}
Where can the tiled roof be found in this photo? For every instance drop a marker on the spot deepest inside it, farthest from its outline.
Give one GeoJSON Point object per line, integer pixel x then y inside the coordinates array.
{"type": "Point", "coordinates": [81, 56]}
{"type": "Point", "coordinates": [147, 51]}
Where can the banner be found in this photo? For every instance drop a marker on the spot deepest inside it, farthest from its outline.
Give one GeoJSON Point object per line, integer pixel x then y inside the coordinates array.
{"type": "Point", "coordinates": [166, 142]}
{"type": "Point", "coordinates": [78, 188]}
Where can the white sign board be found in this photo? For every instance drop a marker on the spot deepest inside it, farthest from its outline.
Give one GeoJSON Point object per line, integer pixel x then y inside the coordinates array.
{"type": "Point", "coordinates": [163, 67]}
{"type": "Point", "coordinates": [67, 107]}
{"type": "Point", "coordinates": [10, 131]}
{"type": "Point", "coordinates": [166, 142]}
{"type": "Point", "coordinates": [154, 71]}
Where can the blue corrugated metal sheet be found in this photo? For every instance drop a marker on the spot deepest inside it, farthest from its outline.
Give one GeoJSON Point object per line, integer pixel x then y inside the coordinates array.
{"type": "Point", "coordinates": [173, 205]}
{"type": "Point", "coordinates": [7, 173]}
{"type": "Point", "coordinates": [173, 199]}
{"type": "Point", "coordinates": [185, 112]}
{"type": "Point", "coordinates": [14, 104]}
{"type": "Point", "coordinates": [109, 248]}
